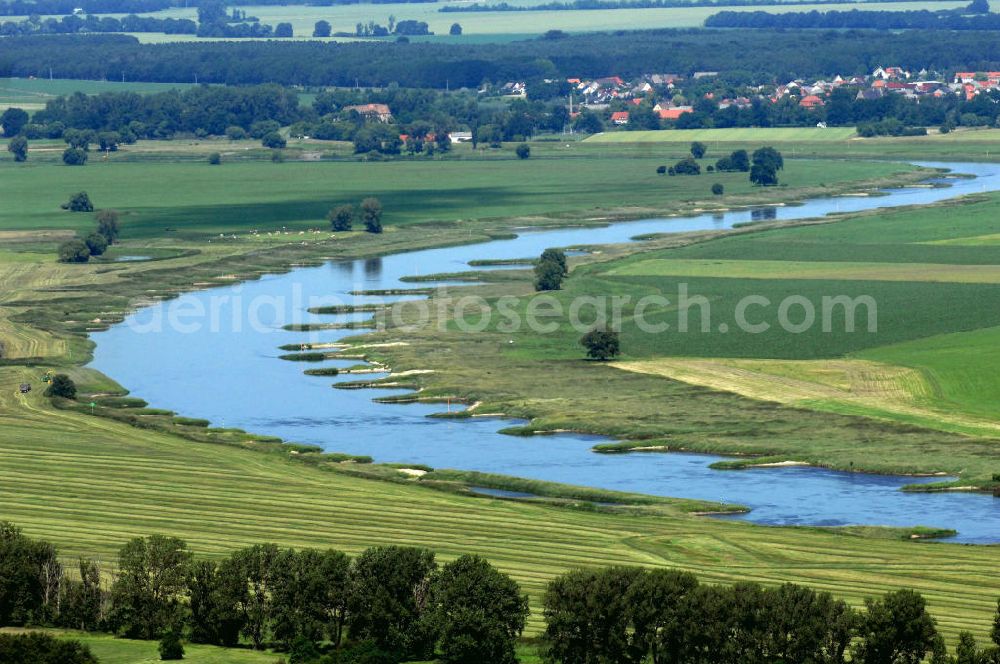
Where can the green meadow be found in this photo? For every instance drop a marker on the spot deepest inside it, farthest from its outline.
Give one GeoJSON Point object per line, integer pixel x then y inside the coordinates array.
{"type": "Point", "coordinates": [173, 198]}
{"type": "Point", "coordinates": [31, 94]}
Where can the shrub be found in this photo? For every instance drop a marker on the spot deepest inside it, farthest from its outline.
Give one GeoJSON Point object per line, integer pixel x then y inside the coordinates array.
{"type": "Point", "coordinates": [718, 189]}
{"type": "Point", "coordinates": [273, 140]}
{"type": "Point", "coordinates": [38, 648]}
{"type": "Point", "coordinates": [74, 251]}
{"type": "Point", "coordinates": [601, 344]}
{"type": "Point", "coordinates": [236, 133]}
{"type": "Point", "coordinates": [661, 170]}
{"type": "Point", "coordinates": [107, 224]}
{"type": "Point", "coordinates": [687, 166]}
{"type": "Point", "coordinates": [277, 157]}
{"type": "Point", "coordinates": [61, 386]}
{"type": "Point", "coordinates": [215, 158]}
{"type": "Point", "coordinates": [171, 647]}
{"type": "Point", "coordinates": [96, 243]}
{"type": "Point", "coordinates": [341, 218]}
{"type": "Point", "coordinates": [74, 157]}
{"type": "Point", "coordinates": [79, 202]}
{"type": "Point", "coordinates": [523, 151]}
{"type": "Point", "coordinates": [710, 168]}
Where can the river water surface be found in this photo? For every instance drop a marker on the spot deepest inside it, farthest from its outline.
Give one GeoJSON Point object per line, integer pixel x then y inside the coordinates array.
{"type": "Point", "coordinates": [228, 373]}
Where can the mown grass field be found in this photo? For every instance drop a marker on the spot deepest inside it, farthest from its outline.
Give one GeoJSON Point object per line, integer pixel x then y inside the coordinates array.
{"type": "Point", "coordinates": [961, 145]}
{"type": "Point", "coordinates": [31, 94]}
{"type": "Point", "coordinates": [757, 134]}
{"type": "Point", "coordinates": [88, 484]}
{"type": "Point", "coordinates": [170, 198]}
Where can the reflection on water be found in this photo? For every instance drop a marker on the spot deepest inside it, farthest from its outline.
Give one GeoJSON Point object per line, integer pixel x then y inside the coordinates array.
{"type": "Point", "coordinates": [248, 388]}
{"type": "Point", "coordinates": [764, 214]}
{"type": "Point", "coordinates": [373, 267]}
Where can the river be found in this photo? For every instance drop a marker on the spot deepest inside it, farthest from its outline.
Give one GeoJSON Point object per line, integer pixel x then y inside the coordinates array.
{"type": "Point", "coordinates": [228, 373]}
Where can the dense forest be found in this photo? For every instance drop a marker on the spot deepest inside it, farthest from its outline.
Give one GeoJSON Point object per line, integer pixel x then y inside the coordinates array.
{"type": "Point", "coordinates": [633, 4]}
{"type": "Point", "coordinates": [837, 20]}
{"type": "Point", "coordinates": [752, 55]}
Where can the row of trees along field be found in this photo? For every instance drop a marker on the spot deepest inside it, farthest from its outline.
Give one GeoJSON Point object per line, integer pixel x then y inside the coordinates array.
{"type": "Point", "coordinates": [427, 116]}
{"type": "Point", "coordinates": [393, 604]}
{"type": "Point", "coordinates": [761, 56]}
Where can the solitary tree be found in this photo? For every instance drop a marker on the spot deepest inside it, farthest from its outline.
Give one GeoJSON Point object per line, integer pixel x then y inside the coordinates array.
{"type": "Point", "coordinates": [322, 29]}
{"type": "Point", "coordinates": [13, 121]}
{"type": "Point", "coordinates": [283, 31]}
{"type": "Point", "coordinates": [74, 156]}
{"type": "Point", "coordinates": [61, 386]}
{"type": "Point", "coordinates": [96, 243]}
{"type": "Point", "coordinates": [273, 140]}
{"type": "Point", "coordinates": [718, 189]}
{"type": "Point", "coordinates": [764, 175]}
{"type": "Point", "coordinates": [523, 151]}
{"type": "Point", "coordinates": [455, 30]}
{"type": "Point", "coordinates": [18, 146]}
{"type": "Point", "coordinates": [341, 217]}
{"type": "Point", "coordinates": [74, 251]}
{"type": "Point", "coordinates": [107, 224]}
{"type": "Point", "coordinates": [371, 214]}
{"type": "Point", "coordinates": [79, 202]}
{"type": "Point", "coordinates": [215, 159]}
{"type": "Point", "coordinates": [550, 270]}
{"type": "Point", "coordinates": [698, 149]}
{"type": "Point", "coordinates": [601, 343]}
{"type": "Point", "coordinates": [769, 156]}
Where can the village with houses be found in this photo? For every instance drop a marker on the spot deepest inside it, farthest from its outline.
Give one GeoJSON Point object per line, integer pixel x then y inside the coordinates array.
{"type": "Point", "coordinates": [617, 97]}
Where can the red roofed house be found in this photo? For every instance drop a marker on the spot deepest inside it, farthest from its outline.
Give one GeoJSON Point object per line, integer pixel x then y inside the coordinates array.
{"type": "Point", "coordinates": [811, 102]}
{"type": "Point", "coordinates": [619, 117]}
{"type": "Point", "coordinates": [379, 112]}
{"type": "Point", "coordinates": [965, 76]}
{"type": "Point", "coordinates": [674, 113]}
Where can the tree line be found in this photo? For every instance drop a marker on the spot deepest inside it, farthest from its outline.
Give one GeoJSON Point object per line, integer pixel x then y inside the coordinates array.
{"type": "Point", "coordinates": [627, 615]}
{"type": "Point", "coordinates": [393, 603]}
{"type": "Point", "coordinates": [855, 18]}
{"type": "Point", "coordinates": [29, 7]}
{"type": "Point", "coordinates": [388, 604]}
{"type": "Point", "coordinates": [575, 5]}
{"type": "Point", "coordinates": [72, 24]}
{"type": "Point", "coordinates": [760, 56]}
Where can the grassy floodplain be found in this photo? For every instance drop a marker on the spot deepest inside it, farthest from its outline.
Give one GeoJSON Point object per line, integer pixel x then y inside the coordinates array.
{"type": "Point", "coordinates": [89, 483]}
{"type": "Point", "coordinates": [168, 198]}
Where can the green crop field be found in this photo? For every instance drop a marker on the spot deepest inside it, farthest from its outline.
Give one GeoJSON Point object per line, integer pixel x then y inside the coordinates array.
{"type": "Point", "coordinates": [31, 94]}
{"type": "Point", "coordinates": [163, 199]}
{"type": "Point", "coordinates": [504, 26]}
